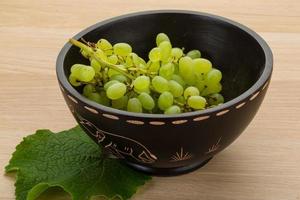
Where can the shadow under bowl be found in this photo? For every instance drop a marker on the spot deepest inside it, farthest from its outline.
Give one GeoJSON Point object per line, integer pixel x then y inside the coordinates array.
{"type": "Point", "coordinates": [170, 145]}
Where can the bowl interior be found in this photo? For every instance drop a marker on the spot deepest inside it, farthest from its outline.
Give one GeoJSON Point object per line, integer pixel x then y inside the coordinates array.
{"type": "Point", "coordinates": [232, 50]}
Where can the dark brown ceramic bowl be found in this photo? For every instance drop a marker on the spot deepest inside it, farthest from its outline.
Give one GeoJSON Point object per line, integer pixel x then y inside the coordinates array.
{"type": "Point", "coordinates": [163, 144]}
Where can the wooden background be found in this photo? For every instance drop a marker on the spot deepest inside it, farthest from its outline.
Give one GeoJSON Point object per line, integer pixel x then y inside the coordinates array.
{"type": "Point", "coordinates": [264, 163]}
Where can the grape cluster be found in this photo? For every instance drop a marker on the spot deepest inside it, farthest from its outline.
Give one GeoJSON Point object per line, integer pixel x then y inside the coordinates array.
{"type": "Point", "coordinates": [171, 82]}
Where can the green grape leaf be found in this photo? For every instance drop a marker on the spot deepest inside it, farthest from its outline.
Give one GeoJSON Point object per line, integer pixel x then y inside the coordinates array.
{"type": "Point", "coordinates": [72, 161]}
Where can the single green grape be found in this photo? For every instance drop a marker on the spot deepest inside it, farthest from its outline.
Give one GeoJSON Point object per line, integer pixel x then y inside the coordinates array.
{"type": "Point", "coordinates": [82, 72]}
{"type": "Point", "coordinates": [215, 99]}
{"type": "Point", "coordinates": [96, 65]}
{"type": "Point", "coordinates": [190, 91]}
{"type": "Point", "coordinates": [160, 84]}
{"type": "Point", "coordinates": [141, 83]}
{"type": "Point", "coordinates": [211, 89]}
{"type": "Point", "coordinates": [122, 49]}
{"type": "Point", "coordinates": [119, 77]}
{"type": "Point", "coordinates": [200, 84]}
{"type": "Point", "coordinates": [104, 45]}
{"type": "Point", "coordinates": [196, 102]}
{"type": "Point", "coordinates": [154, 67]}
{"type": "Point", "coordinates": [88, 89]}
{"type": "Point", "coordinates": [213, 77]}
{"type": "Point", "coordinates": [194, 54]}
{"type": "Point", "coordinates": [178, 79]}
{"type": "Point", "coordinates": [134, 105]}
{"type": "Point", "coordinates": [116, 91]}
{"type": "Point", "coordinates": [166, 71]}
{"type": "Point", "coordinates": [186, 70]}
{"type": "Point", "coordinates": [165, 50]}
{"type": "Point", "coordinates": [109, 83]}
{"type": "Point", "coordinates": [113, 59]}
{"type": "Point", "coordinates": [99, 98]}
{"type": "Point", "coordinates": [202, 66]}
{"type": "Point", "coordinates": [120, 103]}
{"type": "Point", "coordinates": [165, 100]}
{"type": "Point", "coordinates": [173, 110]}
{"type": "Point", "coordinates": [161, 37]}
{"type": "Point", "coordinates": [104, 100]}
{"type": "Point", "coordinates": [180, 100]}
{"type": "Point", "coordinates": [73, 80]}
{"type": "Point", "coordinates": [154, 54]}
{"type": "Point", "coordinates": [175, 88]}
{"type": "Point", "coordinates": [176, 53]}
{"type": "Point", "coordinates": [146, 101]}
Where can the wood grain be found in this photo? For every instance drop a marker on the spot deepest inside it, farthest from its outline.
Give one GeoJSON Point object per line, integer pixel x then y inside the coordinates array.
{"type": "Point", "coordinates": [264, 163]}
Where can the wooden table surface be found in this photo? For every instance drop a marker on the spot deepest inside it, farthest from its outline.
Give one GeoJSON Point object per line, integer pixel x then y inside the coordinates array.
{"type": "Point", "coordinates": [264, 163]}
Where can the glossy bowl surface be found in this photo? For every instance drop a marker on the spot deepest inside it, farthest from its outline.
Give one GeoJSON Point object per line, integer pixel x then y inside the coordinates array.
{"type": "Point", "coordinates": [170, 145]}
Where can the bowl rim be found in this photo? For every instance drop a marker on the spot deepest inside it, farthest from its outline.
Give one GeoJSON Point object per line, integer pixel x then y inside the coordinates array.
{"type": "Point", "coordinates": [262, 80]}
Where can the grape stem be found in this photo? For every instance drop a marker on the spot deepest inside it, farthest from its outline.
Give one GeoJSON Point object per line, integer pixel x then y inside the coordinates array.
{"type": "Point", "coordinates": [90, 51]}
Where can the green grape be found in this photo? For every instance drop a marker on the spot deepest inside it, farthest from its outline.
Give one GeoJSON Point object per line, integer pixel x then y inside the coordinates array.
{"type": "Point", "coordinates": [109, 83]}
{"type": "Point", "coordinates": [194, 54]}
{"type": "Point", "coordinates": [147, 101]}
{"type": "Point", "coordinates": [84, 53]}
{"type": "Point", "coordinates": [113, 59]}
{"type": "Point", "coordinates": [135, 59]}
{"type": "Point", "coordinates": [165, 100]}
{"type": "Point", "coordinates": [215, 99]}
{"type": "Point", "coordinates": [201, 66]}
{"type": "Point", "coordinates": [116, 91]}
{"type": "Point", "coordinates": [83, 73]}
{"type": "Point", "coordinates": [167, 71]}
{"type": "Point", "coordinates": [176, 53]}
{"type": "Point", "coordinates": [129, 61]}
{"type": "Point", "coordinates": [122, 49]}
{"type": "Point", "coordinates": [141, 91]}
{"type": "Point", "coordinates": [190, 91]}
{"type": "Point", "coordinates": [175, 88]}
{"type": "Point", "coordinates": [120, 103]}
{"type": "Point", "coordinates": [178, 79]}
{"type": "Point", "coordinates": [186, 69]}
{"type": "Point", "coordinates": [161, 37]}
{"type": "Point", "coordinates": [213, 77]}
{"type": "Point", "coordinates": [154, 67]}
{"type": "Point", "coordinates": [211, 89]}
{"type": "Point", "coordinates": [154, 54]}
{"type": "Point", "coordinates": [94, 96]}
{"type": "Point", "coordinates": [104, 100]}
{"type": "Point", "coordinates": [104, 45]}
{"type": "Point", "coordinates": [160, 84]}
{"type": "Point", "coordinates": [112, 72]}
{"type": "Point", "coordinates": [141, 61]}
{"type": "Point", "coordinates": [101, 55]}
{"type": "Point", "coordinates": [119, 77]}
{"type": "Point", "coordinates": [141, 83]}
{"type": "Point", "coordinates": [196, 102]}
{"type": "Point", "coordinates": [73, 80]}
{"type": "Point", "coordinates": [173, 110]}
{"type": "Point", "coordinates": [88, 89]}
{"type": "Point", "coordinates": [165, 50]}
{"type": "Point", "coordinates": [134, 105]}
{"type": "Point", "coordinates": [180, 100]}
{"type": "Point", "coordinates": [200, 84]}
{"type": "Point", "coordinates": [96, 65]}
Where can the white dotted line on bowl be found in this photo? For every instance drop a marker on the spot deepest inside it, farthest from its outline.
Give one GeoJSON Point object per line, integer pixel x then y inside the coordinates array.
{"type": "Point", "coordinates": [176, 122]}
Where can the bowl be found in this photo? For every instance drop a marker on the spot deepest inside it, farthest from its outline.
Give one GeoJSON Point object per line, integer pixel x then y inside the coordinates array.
{"type": "Point", "coordinates": [174, 144]}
